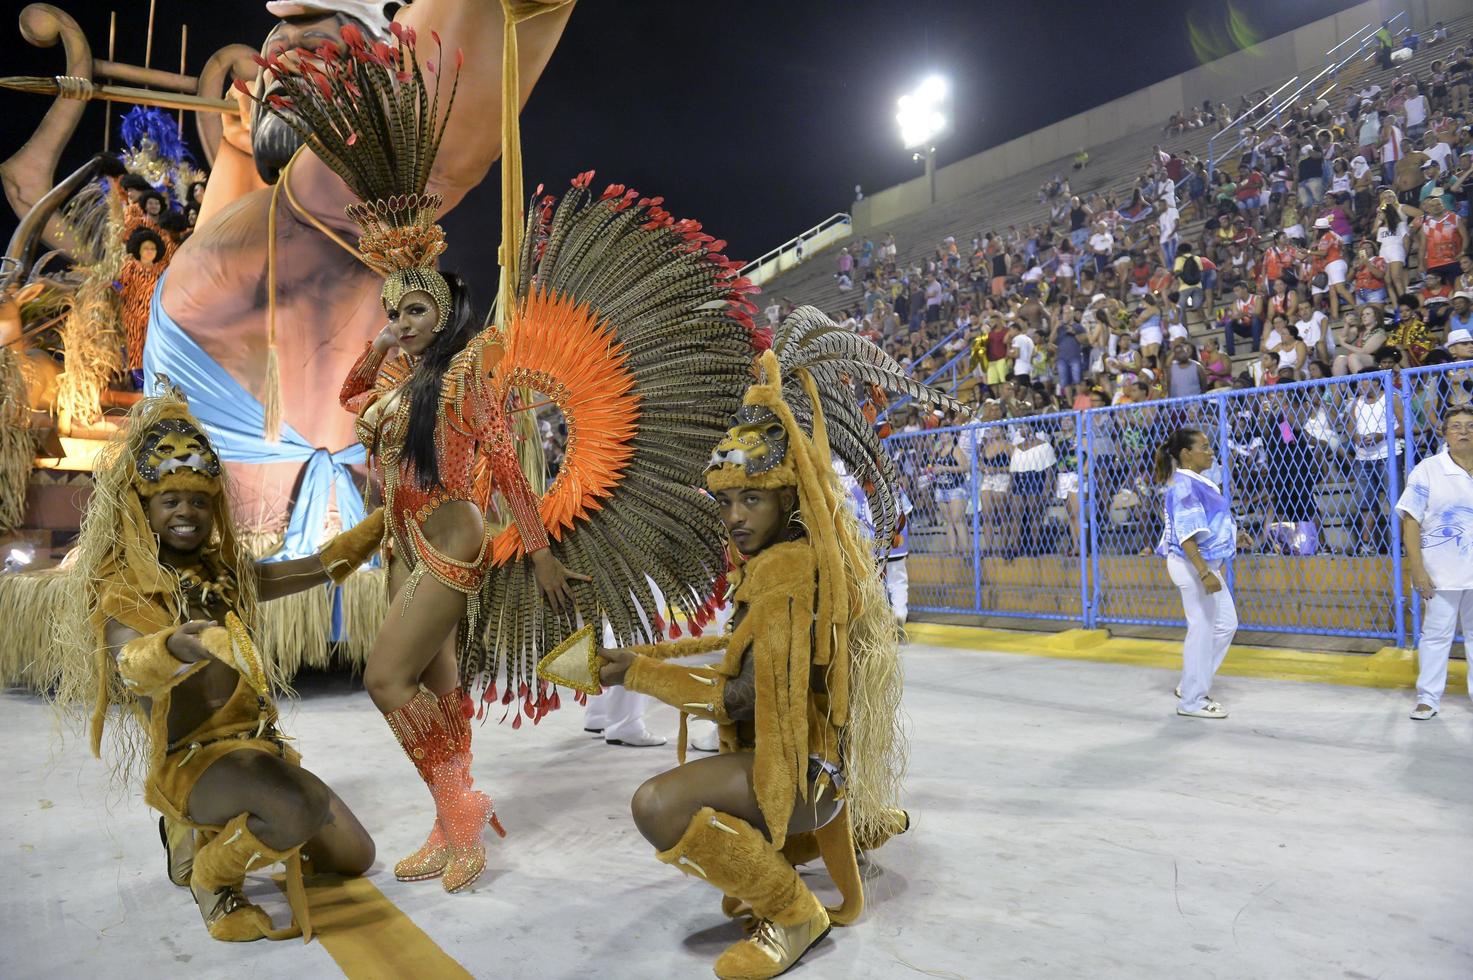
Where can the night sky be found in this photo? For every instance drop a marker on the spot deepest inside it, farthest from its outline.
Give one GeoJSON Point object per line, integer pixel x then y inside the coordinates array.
{"type": "Point", "coordinates": [756, 118]}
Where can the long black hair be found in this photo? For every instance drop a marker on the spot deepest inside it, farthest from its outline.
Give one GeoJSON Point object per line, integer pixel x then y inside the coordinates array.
{"type": "Point", "coordinates": [1169, 452]}
{"type": "Point", "coordinates": [423, 390]}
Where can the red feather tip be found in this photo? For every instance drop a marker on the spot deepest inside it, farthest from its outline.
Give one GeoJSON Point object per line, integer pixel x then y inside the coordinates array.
{"type": "Point", "coordinates": [675, 631]}
{"type": "Point", "coordinates": [262, 62]}
{"type": "Point", "coordinates": [430, 65]}
{"type": "Point", "coordinates": [436, 35]}
{"type": "Point", "coordinates": [762, 339]}
{"type": "Point", "coordinates": [695, 629]}
{"type": "Point", "coordinates": [352, 139]}
{"type": "Point", "coordinates": [583, 179]}
{"type": "Point", "coordinates": [351, 35]}
{"type": "Point", "coordinates": [490, 693]}
{"type": "Point", "coordinates": [516, 722]}
{"type": "Point", "coordinates": [396, 29]}
{"type": "Point", "coordinates": [242, 88]}
{"type": "Point", "coordinates": [613, 190]}
{"type": "Point", "coordinates": [459, 59]}
{"type": "Point", "coordinates": [523, 689]}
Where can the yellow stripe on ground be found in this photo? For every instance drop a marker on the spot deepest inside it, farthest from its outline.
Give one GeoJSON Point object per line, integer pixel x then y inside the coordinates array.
{"type": "Point", "coordinates": [1388, 667]}
{"type": "Point", "coordinates": [368, 935]}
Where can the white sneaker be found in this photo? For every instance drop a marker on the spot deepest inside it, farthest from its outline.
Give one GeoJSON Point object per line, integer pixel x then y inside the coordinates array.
{"type": "Point", "coordinates": [1211, 709]}
{"type": "Point", "coordinates": [635, 738]}
{"type": "Point", "coordinates": [1177, 691]}
{"type": "Point", "coordinates": [1423, 712]}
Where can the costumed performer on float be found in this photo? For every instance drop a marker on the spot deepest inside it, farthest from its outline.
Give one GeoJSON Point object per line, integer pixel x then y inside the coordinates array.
{"type": "Point", "coordinates": [615, 311]}
{"type": "Point", "coordinates": [807, 696]}
{"type": "Point", "coordinates": [162, 626]}
{"type": "Point", "coordinates": [271, 238]}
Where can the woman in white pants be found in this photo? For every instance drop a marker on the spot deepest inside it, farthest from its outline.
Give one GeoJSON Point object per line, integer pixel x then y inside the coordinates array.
{"type": "Point", "coordinates": [1198, 536]}
{"type": "Point", "coordinates": [1437, 526]}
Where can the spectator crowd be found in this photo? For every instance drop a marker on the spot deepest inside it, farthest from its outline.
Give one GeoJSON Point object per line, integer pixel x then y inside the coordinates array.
{"type": "Point", "coordinates": [1334, 242]}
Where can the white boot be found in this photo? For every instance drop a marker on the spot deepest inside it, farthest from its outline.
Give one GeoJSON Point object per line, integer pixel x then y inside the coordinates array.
{"type": "Point", "coordinates": [701, 735]}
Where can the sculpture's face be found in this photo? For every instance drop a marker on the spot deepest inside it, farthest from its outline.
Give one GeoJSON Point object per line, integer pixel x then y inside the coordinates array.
{"type": "Point", "coordinates": [273, 141]}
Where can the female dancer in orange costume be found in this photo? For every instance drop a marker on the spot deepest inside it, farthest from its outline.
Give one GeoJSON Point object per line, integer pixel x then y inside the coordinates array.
{"type": "Point", "coordinates": [425, 418]}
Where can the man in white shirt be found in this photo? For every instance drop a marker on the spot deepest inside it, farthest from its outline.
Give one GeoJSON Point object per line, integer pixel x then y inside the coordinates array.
{"type": "Point", "coordinates": [1167, 223]}
{"type": "Point", "coordinates": [1438, 150]}
{"type": "Point", "coordinates": [1311, 330]}
{"type": "Point", "coordinates": [1416, 109]}
{"type": "Point", "coordinates": [1437, 526]}
{"type": "Point", "coordinates": [1101, 246]}
{"type": "Point", "coordinates": [774, 313]}
{"type": "Point", "coordinates": [1021, 348]}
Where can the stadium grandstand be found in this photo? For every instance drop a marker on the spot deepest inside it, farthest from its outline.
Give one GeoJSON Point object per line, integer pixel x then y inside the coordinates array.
{"type": "Point", "coordinates": [1298, 234]}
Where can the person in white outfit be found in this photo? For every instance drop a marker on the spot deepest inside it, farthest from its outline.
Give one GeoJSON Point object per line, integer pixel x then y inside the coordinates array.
{"type": "Point", "coordinates": [1197, 538]}
{"type": "Point", "coordinates": [617, 715]}
{"type": "Point", "coordinates": [1437, 525]}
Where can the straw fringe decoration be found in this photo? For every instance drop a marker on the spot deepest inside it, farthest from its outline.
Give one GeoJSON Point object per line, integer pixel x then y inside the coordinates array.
{"type": "Point", "coordinates": [17, 440]}
{"type": "Point", "coordinates": [90, 335]}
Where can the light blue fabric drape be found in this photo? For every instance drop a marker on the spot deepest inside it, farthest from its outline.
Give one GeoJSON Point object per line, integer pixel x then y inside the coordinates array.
{"type": "Point", "coordinates": [235, 420]}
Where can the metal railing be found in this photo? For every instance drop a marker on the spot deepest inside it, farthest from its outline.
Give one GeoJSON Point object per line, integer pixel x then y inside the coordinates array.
{"type": "Point", "coordinates": [1232, 127]}
{"type": "Point", "coordinates": [799, 248]}
{"type": "Point", "coordinates": [955, 369]}
{"type": "Point", "coordinates": [1364, 38]}
{"type": "Point", "coordinates": [1056, 517]}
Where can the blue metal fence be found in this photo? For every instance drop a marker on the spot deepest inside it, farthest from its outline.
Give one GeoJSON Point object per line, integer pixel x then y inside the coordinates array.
{"type": "Point", "coordinates": [1056, 517]}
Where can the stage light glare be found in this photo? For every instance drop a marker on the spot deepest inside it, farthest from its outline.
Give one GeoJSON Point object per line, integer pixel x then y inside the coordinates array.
{"type": "Point", "coordinates": [922, 115]}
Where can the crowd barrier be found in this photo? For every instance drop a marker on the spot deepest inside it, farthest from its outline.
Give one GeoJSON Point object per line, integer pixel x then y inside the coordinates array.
{"type": "Point", "coordinates": [1057, 517]}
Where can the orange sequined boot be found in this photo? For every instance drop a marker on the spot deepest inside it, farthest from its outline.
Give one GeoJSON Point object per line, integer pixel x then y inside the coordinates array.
{"type": "Point", "coordinates": [429, 861]}
{"type": "Point", "coordinates": [435, 734]}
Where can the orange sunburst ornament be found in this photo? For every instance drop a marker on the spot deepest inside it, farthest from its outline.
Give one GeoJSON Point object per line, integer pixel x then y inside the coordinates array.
{"type": "Point", "coordinates": [563, 350]}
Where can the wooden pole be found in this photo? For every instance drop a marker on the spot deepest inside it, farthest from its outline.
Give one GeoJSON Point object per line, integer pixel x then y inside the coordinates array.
{"type": "Point", "coordinates": [148, 45]}
{"type": "Point", "coordinates": [183, 49]}
{"type": "Point", "coordinates": [107, 112]}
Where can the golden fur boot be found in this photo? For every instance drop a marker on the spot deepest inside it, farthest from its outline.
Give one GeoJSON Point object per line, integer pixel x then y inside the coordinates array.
{"type": "Point", "coordinates": [179, 845]}
{"type": "Point", "coordinates": [735, 857]}
{"type": "Point", "coordinates": [220, 867]}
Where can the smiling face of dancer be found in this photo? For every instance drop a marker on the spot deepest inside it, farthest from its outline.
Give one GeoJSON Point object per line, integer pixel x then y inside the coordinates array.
{"type": "Point", "coordinates": [183, 521]}
{"type": "Point", "coordinates": [412, 323]}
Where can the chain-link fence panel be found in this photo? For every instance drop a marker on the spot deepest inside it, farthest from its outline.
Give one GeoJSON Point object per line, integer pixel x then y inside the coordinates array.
{"type": "Point", "coordinates": [1312, 477]}
{"type": "Point", "coordinates": [1059, 516]}
{"type": "Point", "coordinates": [935, 471]}
{"type": "Point", "coordinates": [1128, 581]}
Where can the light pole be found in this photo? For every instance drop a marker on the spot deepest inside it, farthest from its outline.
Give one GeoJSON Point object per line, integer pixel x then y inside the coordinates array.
{"type": "Point", "coordinates": [922, 115]}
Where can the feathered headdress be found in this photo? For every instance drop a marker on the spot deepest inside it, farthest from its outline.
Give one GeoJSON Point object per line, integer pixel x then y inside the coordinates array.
{"type": "Point", "coordinates": [806, 406]}
{"type": "Point", "coordinates": [372, 114]}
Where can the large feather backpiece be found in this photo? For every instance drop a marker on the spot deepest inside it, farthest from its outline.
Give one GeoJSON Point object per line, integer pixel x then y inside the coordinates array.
{"type": "Point", "coordinates": [841, 364]}
{"type": "Point", "coordinates": [641, 332]}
